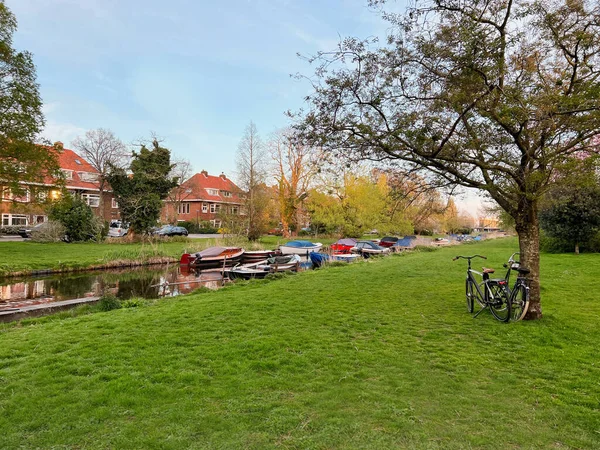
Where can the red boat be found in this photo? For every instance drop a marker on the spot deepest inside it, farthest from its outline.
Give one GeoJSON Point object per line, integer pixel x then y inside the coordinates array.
{"type": "Point", "coordinates": [343, 245]}
{"type": "Point", "coordinates": [212, 258]}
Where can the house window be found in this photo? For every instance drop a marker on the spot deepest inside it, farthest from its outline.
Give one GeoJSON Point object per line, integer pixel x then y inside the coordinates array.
{"type": "Point", "coordinates": [212, 207]}
{"type": "Point", "coordinates": [234, 210]}
{"type": "Point", "coordinates": [184, 208]}
{"type": "Point", "coordinates": [40, 219]}
{"type": "Point", "coordinates": [204, 207]}
{"type": "Point", "coordinates": [212, 191]}
{"type": "Point", "coordinates": [92, 200]}
{"type": "Point", "coordinates": [87, 176]}
{"type": "Point", "coordinates": [68, 174]}
{"type": "Point", "coordinates": [114, 204]}
{"type": "Point", "coordinates": [226, 193]}
{"type": "Point", "coordinates": [216, 223]}
{"type": "Point", "coordinates": [11, 220]}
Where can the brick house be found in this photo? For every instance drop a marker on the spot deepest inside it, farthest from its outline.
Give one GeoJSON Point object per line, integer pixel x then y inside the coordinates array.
{"type": "Point", "coordinates": [80, 178]}
{"type": "Point", "coordinates": [203, 198]}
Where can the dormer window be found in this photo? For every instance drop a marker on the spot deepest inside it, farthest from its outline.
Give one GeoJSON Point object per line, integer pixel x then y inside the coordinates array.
{"type": "Point", "coordinates": [88, 176]}
{"type": "Point", "coordinates": [212, 191]}
{"type": "Point", "coordinates": [68, 174]}
{"type": "Point", "coordinates": [226, 193]}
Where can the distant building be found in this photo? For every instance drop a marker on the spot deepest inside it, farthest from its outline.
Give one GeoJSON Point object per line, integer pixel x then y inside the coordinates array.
{"type": "Point", "coordinates": [488, 224]}
{"type": "Point", "coordinates": [203, 198]}
{"type": "Point", "coordinates": [80, 179]}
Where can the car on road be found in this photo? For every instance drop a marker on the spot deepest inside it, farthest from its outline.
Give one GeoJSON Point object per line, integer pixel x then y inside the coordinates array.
{"type": "Point", "coordinates": [170, 230]}
{"type": "Point", "coordinates": [117, 228]}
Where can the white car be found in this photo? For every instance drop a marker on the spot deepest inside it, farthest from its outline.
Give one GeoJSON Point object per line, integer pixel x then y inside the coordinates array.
{"type": "Point", "coordinates": [117, 229]}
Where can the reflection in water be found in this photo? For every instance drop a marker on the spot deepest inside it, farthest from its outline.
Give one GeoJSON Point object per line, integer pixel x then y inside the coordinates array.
{"type": "Point", "coordinates": [124, 283]}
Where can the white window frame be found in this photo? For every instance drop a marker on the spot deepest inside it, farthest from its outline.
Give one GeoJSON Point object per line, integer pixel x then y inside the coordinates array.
{"type": "Point", "coordinates": [226, 194]}
{"type": "Point", "coordinates": [234, 210]}
{"type": "Point", "coordinates": [89, 177]}
{"type": "Point", "coordinates": [93, 200]}
{"type": "Point", "coordinates": [114, 203]}
{"type": "Point", "coordinates": [183, 208]}
{"type": "Point", "coordinates": [212, 208]}
{"type": "Point", "coordinates": [68, 174]}
{"type": "Point", "coordinates": [212, 191]}
{"type": "Point", "coordinates": [9, 219]}
{"type": "Point", "coordinates": [44, 219]}
{"type": "Point", "coordinates": [204, 208]}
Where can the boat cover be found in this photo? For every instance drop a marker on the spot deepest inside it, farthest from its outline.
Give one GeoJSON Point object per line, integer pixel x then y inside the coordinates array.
{"type": "Point", "coordinates": [287, 259]}
{"type": "Point", "coordinates": [299, 244]}
{"type": "Point", "coordinates": [346, 241]}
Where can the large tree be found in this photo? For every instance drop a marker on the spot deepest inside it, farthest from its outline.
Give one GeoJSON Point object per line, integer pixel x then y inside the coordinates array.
{"type": "Point", "coordinates": [21, 118]}
{"type": "Point", "coordinates": [489, 94]}
{"type": "Point", "coordinates": [251, 175]}
{"type": "Point", "coordinates": [141, 190]}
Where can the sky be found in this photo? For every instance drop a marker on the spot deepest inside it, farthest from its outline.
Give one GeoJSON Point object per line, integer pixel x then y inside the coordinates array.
{"type": "Point", "coordinates": [194, 72]}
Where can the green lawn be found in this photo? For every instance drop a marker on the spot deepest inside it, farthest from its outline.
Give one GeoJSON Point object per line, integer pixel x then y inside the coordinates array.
{"type": "Point", "coordinates": [25, 256]}
{"type": "Point", "coordinates": [380, 354]}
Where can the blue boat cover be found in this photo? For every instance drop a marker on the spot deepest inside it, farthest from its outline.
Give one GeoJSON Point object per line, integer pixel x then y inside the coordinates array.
{"type": "Point", "coordinates": [299, 244]}
{"type": "Point", "coordinates": [405, 242]}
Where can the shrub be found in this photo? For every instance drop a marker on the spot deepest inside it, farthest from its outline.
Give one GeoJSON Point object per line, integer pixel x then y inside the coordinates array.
{"type": "Point", "coordinates": [51, 231]}
{"type": "Point", "coordinates": [199, 228]}
{"type": "Point", "coordinates": [78, 219]}
{"type": "Point", "coordinates": [133, 303]}
{"type": "Point", "coordinates": [108, 303]}
{"type": "Point", "coordinates": [10, 230]}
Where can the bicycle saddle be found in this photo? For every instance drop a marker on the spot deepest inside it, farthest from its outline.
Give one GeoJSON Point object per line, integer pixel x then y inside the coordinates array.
{"type": "Point", "coordinates": [487, 270]}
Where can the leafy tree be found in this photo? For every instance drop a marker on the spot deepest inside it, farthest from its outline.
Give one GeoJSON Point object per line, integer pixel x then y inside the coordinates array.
{"type": "Point", "coordinates": [573, 215]}
{"type": "Point", "coordinates": [21, 117]}
{"type": "Point", "coordinates": [294, 166]}
{"type": "Point", "coordinates": [141, 192]}
{"type": "Point", "coordinates": [494, 95]}
{"type": "Point", "coordinates": [77, 217]}
{"type": "Point", "coordinates": [252, 173]}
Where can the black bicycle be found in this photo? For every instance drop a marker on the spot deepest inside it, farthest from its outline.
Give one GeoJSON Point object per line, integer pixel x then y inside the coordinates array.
{"type": "Point", "coordinates": [490, 293]}
{"type": "Point", "coordinates": [519, 293]}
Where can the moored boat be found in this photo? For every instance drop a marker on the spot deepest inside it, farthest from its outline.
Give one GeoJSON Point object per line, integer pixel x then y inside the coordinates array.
{"type": "Point", "coordinates": [300, 247]}
{"type": "Point", "coordinates": [343, 245]}
{"type": "Point", "coordinates": [213, 257]}
{"type": "Point", "coordinates": [368, 249]}
{"type": "Point", "coordinates": [319, 259]}
{"type": "Point", "coordinates": [258, 255]}
{"type": "Point", "coordinates": [263, 268]}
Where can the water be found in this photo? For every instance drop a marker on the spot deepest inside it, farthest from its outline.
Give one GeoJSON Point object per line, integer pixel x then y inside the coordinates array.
{"type": "Point", "coordinates": [124, 283]}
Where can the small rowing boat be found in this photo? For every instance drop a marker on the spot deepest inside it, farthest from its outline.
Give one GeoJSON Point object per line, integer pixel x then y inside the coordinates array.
{"type": "Point", "coordinates": [300, 247]}
{"type": "Point", "coordinates": [212, 258]}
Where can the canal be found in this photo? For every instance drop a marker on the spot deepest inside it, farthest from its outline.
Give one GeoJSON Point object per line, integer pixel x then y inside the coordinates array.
{"type": "Point", "coordinates": [146, 282]}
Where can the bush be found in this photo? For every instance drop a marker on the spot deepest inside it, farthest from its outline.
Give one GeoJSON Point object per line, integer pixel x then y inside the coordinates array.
{"type": "Point", "coordinates": [133, 303]}
{"type": "Point", "coordinates": [10, 230]}
{"type": "Point", "coordinates": [108, 303]}
{"type": "Point", "coordinates": [78, 219]}
{"type": "Point", "coordinates": [51, 231]}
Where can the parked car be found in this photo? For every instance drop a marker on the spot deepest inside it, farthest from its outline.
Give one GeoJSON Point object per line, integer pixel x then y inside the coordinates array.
{"type": "Point", "coordinates": [388, 241]}
{"type": "Point", "coordinates": [25, 233]}
{"type": "Point", "coordinates": [116, 228]}
{"type": "Point", "coordinates": [170, 230]}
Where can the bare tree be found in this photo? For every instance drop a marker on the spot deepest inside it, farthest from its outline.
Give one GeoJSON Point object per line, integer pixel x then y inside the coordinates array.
{"type": "Point", "coordinates": [181, 171]}
{"type": "Point", "coordinates": [101, 148]}
{"type": "Point", "coordinates": [252, 174]}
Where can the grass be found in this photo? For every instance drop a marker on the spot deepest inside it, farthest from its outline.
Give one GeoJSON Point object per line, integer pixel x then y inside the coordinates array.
{"type": "Point", "coordinates": [380, 354]}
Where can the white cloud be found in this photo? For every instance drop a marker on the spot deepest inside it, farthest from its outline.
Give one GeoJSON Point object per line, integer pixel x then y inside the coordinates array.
{"type": "Point", "coordinates": [63, 132]}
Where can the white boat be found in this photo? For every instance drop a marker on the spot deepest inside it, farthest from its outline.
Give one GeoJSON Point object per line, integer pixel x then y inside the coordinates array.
{"type": "Point", "coordinates": [300, 248]}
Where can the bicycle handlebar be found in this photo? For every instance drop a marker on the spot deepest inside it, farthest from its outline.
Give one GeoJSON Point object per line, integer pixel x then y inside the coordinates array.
{"type": "Point", "coordinates": [468, 257]}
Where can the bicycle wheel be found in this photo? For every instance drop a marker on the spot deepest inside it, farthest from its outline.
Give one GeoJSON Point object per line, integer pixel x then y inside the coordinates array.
{"type": "Point", "coordinates": [469, 294]}
{"type": "Point", "coordinates": [500, 305]}
{"type": "Point", "coordinates": [519, 303]}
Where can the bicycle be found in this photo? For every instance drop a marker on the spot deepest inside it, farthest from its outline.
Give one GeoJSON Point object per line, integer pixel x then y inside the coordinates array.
{"type": "Point", "coordinates": [491, 293]}
{"type": "Point", "coordinates": [519, 293]}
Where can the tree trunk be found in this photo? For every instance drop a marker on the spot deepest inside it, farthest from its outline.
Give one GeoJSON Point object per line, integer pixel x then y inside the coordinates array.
{"type": "Point", "coordinates": [577, 248]}
{"type": "Point", "coordinates": [528, 230]}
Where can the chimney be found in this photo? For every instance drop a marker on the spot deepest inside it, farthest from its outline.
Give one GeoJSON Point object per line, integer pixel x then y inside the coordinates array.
{"type": "Point", "coordinates": [223, 176]}
{"type": "Point", "coordinates": [205, 173]}
{"type": "Point", "coordinates": [59, 145]}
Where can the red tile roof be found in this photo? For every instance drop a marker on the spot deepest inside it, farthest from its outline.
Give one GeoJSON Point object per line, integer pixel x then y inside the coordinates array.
{"type": "Point", "coordinates": [199, 183]}
{"type": "Point", "coordinates": [69, 160]}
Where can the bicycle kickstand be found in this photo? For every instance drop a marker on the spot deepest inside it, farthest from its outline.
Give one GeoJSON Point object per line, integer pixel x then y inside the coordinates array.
{"type": "Point", "coordinates": [481, 310]}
